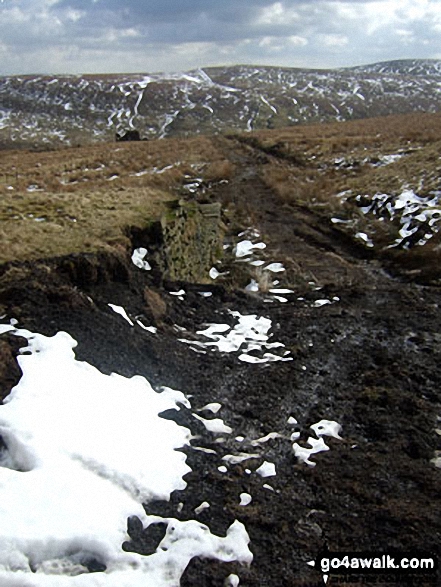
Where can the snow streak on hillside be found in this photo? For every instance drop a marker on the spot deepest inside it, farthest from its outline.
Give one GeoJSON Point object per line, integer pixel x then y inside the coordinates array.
{"type": "Point", "coordinates": [42, 110]}
{"type": "Point", "coordinates": [424, 67]}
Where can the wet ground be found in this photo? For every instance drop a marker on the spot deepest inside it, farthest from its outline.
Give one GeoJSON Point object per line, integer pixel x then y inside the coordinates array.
{"type": "Point", "coordinates": [368, 361]}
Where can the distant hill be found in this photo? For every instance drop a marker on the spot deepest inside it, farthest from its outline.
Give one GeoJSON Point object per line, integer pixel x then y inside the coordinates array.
{"type": "Point", "coordinates": [45, 111]}
{"type": "Point", "coordinates": [425, 67]}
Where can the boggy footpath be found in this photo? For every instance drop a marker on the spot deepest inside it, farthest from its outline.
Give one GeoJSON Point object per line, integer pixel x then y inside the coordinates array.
{"type": "Point", "coordinates": [361, 349]}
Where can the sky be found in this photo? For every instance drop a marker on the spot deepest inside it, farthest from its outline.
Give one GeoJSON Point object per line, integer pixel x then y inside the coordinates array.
{"type": "Point", "coordinates": [110, 36]}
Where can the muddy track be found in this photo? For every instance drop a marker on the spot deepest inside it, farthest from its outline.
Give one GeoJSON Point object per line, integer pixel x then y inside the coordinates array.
{"type": "Point", "coordinates": [309, 242]}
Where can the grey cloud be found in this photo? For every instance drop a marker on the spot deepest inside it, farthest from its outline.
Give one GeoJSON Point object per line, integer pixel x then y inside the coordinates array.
{"type": "Point", "coordinates": [173, 21]}
{"type": "Point", "coordinates": [139, 12]}
{"type": "Point", "coordinates": [182, 12]}
{"type": "Point", "coordinates": [150, 35]}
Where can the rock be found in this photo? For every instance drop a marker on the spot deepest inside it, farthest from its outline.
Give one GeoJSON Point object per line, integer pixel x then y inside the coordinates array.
{"type": "Point", "coordinates": [155, 304]}
{"type": "Point", "coordinates": [10, 372]}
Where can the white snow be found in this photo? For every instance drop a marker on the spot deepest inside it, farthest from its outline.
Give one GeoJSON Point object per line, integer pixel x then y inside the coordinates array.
{"type": "Point", "coordinates": [236, 459]}
{"type": "Point", "coordinates": [266, 469]}
{"type": "Point", "coordinates": [34, 188]}
{"type": "Point", "coordinates": [245, 499]}
{"type": "Point", "coordinates": [250, 231]}
{"type": "Point", "coordinates": [327, 428]}
{"type": "Point", "coordinates": [208, 451]}
{"type": "Point", "coordinates": [120, 310]}
{"type": "Point", "coordinates": [275, 267]}
{"type": "Point", "coordinates": [304, 454]}
{"type": "Point", "coordinates": [232, 580]}
{"type": "Point", "coordinates": [265, 101]}
{"type": "Point", "coordinates": [281, 290]}
{"type": "Point", "coordinates": [204, 505]}
{"type": "Point", "coordinates": [269, 436]}
{"type": "Point", "coordinates": [416, 215]}
{"type": "Point", "coordinates": [322, 428]}
{"type": "Point", "coordinates": [249, 335]}
{"type": "Point", "coordinates": [84, 450]}
{"type": "Point", "coordinates": [213, 407]}
{"type": "Point", "coordinates": [216, 425]}
{"type": "Point", "coordinates": [5, 119]}
{"type": "Point", "coordinates": [266, 358]}
{"type": "Point", "coordinates": [214, 329]}
{"type": "Point", "coordinates": [253, 286]}
{"type": "Point", "coordinates": [340, 221]}
{"type": "Point", "coordinates": [320, 303]}
{"type": "Point", "coordinates": [436, 461]}
{"type": "Point", "coordinates": [388, 159]}
{"type": "Point", "coordinates": [6, 327]}
{"type": "Point", "coordinates": [246, 247]}
{"type": "Point", "coordinates": [139, 173]}
{"type": "Point", "coordinates": [151, 329]}
{"type": "Point", "coordinates": [138, 259]}
{"type": "Point", "coordinates": [214, 273]}
{"type": "Point", "coordinates": [364, 237]}
{"type": "Point", "coordinates": [278, 298]}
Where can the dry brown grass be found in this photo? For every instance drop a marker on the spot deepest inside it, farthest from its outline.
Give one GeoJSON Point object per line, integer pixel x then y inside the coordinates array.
{"type": "Point", "coordinates": [86, 197]}
{"type": "Point", "coordinates": [324, 167]}
{"type": "Point", "coordinates": [314, 163]}
{"type": "Point", "coordinates": [219, 170]}
{"type": "Point", "coordinates": [82, 199]}
{"type": "Point", "coordinates": [377, 132]}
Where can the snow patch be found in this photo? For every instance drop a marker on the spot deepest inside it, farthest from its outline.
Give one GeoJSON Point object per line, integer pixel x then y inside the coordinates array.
{"type": "Point", "coordinates": [364, 237]}
{"type": "Point", "coordinates": [269, 436]}
{"type": "Point", "coordinates": [232, 580]}
{"type": "Point", "coordinates": [204, 505]}
{"type": "Point", "coordinates": [245, 499]}
{"type": "Point", "coordinates": [275, 267]}
{"type": "Point", "coordinates": [322, 428]}
{"type": "Point", "coordinates": [266, 469]}
{"type": "Point", "coordinates": [151, 329]}
{"type": "Point", "coordinates": [120, 310]}
{"type": "Point", "coordinates": [213, 407]}
{"type": "Point", "coordinates": [65, 497]}
{"type": "Point", "coordinates": [418, 217]}
{"type": "Point", "coordinates": [240, 458]}
{"type": "Point", "coordinates": [214, 273]}
{"type": "Point", "coordinates": [216, 425]}
{"type": "Point", "coordinates": [138, 259]}
{"type": "Point", "coordinates": [327, 428]}
{"type": "Point", "coordinates": [249, 336]}
{"type": "Point", "coordinates": [246, 247]}
{"type": "Point", "coordinates": [304, 454]}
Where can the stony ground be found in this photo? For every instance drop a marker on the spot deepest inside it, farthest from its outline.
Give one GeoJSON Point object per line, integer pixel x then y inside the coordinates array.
{"type": "Point", "coordinates": [369, 361]}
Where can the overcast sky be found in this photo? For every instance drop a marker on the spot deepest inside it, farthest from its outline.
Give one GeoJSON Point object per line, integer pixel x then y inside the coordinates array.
{"type": "Point", "coordinates": [86, 36]}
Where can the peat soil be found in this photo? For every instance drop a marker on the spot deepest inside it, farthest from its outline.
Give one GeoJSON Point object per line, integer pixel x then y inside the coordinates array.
{"type": "Point", "coordinates": [369, 361]}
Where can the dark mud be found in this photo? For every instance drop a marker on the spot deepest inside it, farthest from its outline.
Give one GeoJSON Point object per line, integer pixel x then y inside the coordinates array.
{"type": "Point", "coordinates": [369, 361]}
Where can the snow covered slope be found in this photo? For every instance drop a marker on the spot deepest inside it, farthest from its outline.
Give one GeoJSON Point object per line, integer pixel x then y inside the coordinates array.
{"type": "Point", "coordinates": [44, 110]}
